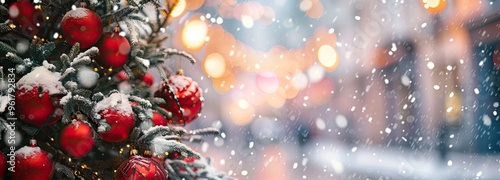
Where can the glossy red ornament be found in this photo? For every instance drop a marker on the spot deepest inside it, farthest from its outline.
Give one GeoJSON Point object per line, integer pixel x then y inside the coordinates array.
{"type": "Point", "coordinates": [148, 79]}
{"type": "Point", "coordinates": [187, 92]}
{"type": "Point", "coordinates": [32, 163]}
{"type": "Point", "coordinates": [113, 50]}
{"type": "Point", "coordinates": [139, 167]}
{"type": "Point", "coordinates": [81, 25]}
{"type": "Point", "coordinates": [34, 106]}
{"type": "Point", "coordinates": [77, 139]}
{"type": "Point", "coordinates": [25, 15]}
{"type": "Point", "coordinates": [3, 166]}
{"type": "Point", "coordinates": [158, 119]}
{"type": "Point", "coordinates": [121, 125]}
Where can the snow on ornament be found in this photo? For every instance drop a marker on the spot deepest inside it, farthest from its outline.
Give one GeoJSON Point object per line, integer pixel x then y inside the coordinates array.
{"type": "Point", "coordinates": [37, 96]}
{"type": "Point", "coordinates": [189, 96]}
{"type": "Point", "coordinates": [81, 25]}
{"type": "Point", "coordinates": [117, 112]}
{"type": "Point", "coordinates": [31, 162]}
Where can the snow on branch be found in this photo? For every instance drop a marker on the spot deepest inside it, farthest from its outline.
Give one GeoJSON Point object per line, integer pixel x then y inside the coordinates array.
{"type": "Point", "coordinates": [205, 131]}
{"type": "Point", "coordinates": [170, 52]}
{"type": "Point", "coordinates": [134, 35]}
{"type": "Point", "coordinates": [93, 51]}
{"type": "Point", "coordinates": [143, 102]}
{"type": "Point", "coordinates": [160, 146]}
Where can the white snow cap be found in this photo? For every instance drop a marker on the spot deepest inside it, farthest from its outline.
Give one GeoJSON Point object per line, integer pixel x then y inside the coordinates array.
{"type": "Point", "coordinates": [180, 82]}
{"type": "Point", "coordinates": [28, 151]}
{"type": "Point", "coordinates": [40, 76]}
{"type": "Point", "coordinates": [77, 13]}
{"type": "Point", "coordinates": [116, 101]}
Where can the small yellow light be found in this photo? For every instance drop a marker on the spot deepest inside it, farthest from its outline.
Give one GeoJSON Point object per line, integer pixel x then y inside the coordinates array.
{"type": "Point", "coordinates": [51, 139]}
{"type": "Point", "coordinates": [110, 69]}
{"type": "Point", "coordinates": [47, 18]}
{"type": "Point", "coordinates": [166, 153]}
{"type": "Point", "coordinates": [12, 26]}
{"type": "Point", "coordinates": [69, 159]}
{"type": "Point", "coordinates": [95, 69]}
{"type": "Point", "coordinates": [128, 145]}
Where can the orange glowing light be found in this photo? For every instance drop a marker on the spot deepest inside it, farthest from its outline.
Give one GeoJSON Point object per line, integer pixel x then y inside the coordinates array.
{"type": "Point", "coordinates": [328, 57]}
{"type": "Point", "coordinates": [193, 34]}
{"type": "Point", "coordinates": [178, 9]}
{"type": "Point", "coordinates": [434, 6]}
{"type": "Point", "coordinates": [241, 112]}
{"type": "Point", "coordinates": [214, 65]}
{"type": "Point", "coordinates": [193, 5]}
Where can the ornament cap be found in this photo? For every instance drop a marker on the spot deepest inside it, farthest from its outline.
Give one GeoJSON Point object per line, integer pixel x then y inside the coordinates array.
{"type": "Point", "coordinates": [147, 153]}
{"type": "Point", "coordinates": [180, 72]}
{"type": "Point", "coordinates": [82, 4]}
{"type": "Point", "coordinates": [134, 152]}
{"type": "Point", "coordinates": [33, 142]}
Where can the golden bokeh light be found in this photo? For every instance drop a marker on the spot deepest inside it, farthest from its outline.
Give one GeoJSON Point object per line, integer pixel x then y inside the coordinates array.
{"type": "Point", "coordinates": [434, 6]}
{"type": "Point", "coordinates": [214, 65]}
{"type": "Point", "coordinates": [193, 34]}
{"type": "Point", "coordinates": [241, 112]}
{"type": "Point", "coordinates": [328, 57]}
{"type": "Point", "coordinates": [179, 9]}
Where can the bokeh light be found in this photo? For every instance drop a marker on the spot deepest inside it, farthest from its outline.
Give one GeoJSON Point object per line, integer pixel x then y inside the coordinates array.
{"type": "Point", "coordinates": [193, 34]}
{"type": "Point", "coordinates": [241, 112]}
{"type": "Point", "coordinates": [179, 8]}
{"type": "Point", "coordinates": [267, 82]}
{"type": "Point", "coordinates": [214, 65]}
{"type": "Point", "coordinates": [434, 6]}
{"type": "Point", "coordinates": [328, 57]}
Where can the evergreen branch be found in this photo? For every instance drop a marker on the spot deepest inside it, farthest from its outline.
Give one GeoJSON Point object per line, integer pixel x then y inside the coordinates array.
{"type": "Point", "coordinates": [98, 97]}
{"type": "Point", "coordinates": [4, 11]}
{"type": "Point", "coordinates": [160, 146]}
{"type": "Point", "coordinates": [68, 73]}
{"type": "Point", "coordinates": [154, 132]}
{"type": "Point", "coordinates": [172, 137]}
{"type": "Point", "coordinates": [75, 50]}
{"type": "Point", "coordinates": [134, 35]}
{"type": "Point", "coordinates": [5, 48]}
{"type": "Point", "coordinates": [193, 139]}
{"type": "Point", "coordinates": [92, 52]}
{"type": "Point", "coordinates": [163, 112]}
{"type": "Point", "coordinates": [156, 100]}
{"type": "Point", "coordinates": [118, 15]}
{"type": "Point", "coordinates": [170, 52]}
{"type": "Point", "coordinates": [5, 27]}
{"type": "Point", "coordinates": [206, 131]}
{"type": "Point", "coordinates": [141, 61]}
{"type": "Point", "coordinates": [14, 58]}
{"type": "Point", "coordinates": [63, 170]}
{"type": "Point", "coordinates": [81, 61]}
{"type": "Point", "coordinates": [65, 60]}
{"type": "Point", "coordinates": [128, 71]}
{"type": "Point", "coordinates": [143, 102]}
{"type": "Point", "coordinates": [49, 66]}
{"type": "Point", "coordinates": [159, 38]}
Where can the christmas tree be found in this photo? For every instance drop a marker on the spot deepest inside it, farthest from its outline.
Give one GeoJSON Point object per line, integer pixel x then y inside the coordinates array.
{"type": "Point", "coordinates": [76, 96]}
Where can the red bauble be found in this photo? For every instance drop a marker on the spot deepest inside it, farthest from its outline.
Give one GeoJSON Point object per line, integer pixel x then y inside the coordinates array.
{"type": "Point", "coordinates": [113, 50]}
{"type": "Point", "coordinates": [122, 75]}
{"type": "Point", "coordinates": [32, 163]}
{"type": "Point", "coordinates": [81, 25]}
{"type": "Point", "coordinates": [34, 106]}
{"type": "Point", "coordinates": [121, 125]}
{"type": "Point", "coordinates": [148, 79]}
{"type": "Point", "coordinates": [3, 166]}
{"type": "Point", "coordinates": [187, 92]}
{"type": "Point", "coordinates": [77, 139]}
{"type": "Point", "coordinates": [158, 119]}
{"type": "Point", "coordinates": [138, 167]}
{"type": "Point", "coordinates": [24, 14]}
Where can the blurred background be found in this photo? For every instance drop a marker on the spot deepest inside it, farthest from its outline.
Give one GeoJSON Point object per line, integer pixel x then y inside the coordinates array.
{"type": "Point", "coordinates": [336, 89]}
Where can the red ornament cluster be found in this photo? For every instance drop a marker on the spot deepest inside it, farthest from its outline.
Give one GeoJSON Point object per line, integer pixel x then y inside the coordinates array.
{"type": "Point", "coordinates": [81, 25]}
{"type": "Point", "coordinates": [187, 92]}
{"type": "Point", "coordinates": [77, 139]}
